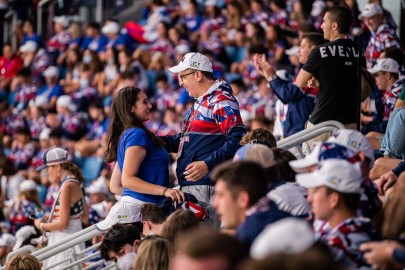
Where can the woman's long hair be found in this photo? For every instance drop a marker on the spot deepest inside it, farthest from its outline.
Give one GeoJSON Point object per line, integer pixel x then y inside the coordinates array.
{"type": "Point", "coordinates": [74, 169]}
{"type": "Point", "coordinates": [122, 118]}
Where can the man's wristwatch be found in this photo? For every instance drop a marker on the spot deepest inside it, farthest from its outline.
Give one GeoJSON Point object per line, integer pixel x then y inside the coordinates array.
{"type": "Point", "coordinates": [272, 77]}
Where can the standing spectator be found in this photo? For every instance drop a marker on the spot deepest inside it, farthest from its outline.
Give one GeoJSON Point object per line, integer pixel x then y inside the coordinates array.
{"type": "Point", "coordinates": [141, 172]}
{"type": "Point", "coordinates": [69, 207]}
{"type": "Point", "coordinates": [333, 64]}
{"type": "Point", "coordinates": [301, 101]}
{"type": "Point", "coordinates": [381, 35]}
{"type": "Point", "coordinates": [211, 130]}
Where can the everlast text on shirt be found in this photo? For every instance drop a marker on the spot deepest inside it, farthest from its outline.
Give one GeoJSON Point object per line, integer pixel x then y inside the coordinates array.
{"type": "Point", "coordinates": [339, 51]}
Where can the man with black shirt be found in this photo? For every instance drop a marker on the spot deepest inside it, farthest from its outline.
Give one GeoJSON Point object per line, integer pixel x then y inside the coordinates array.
{"type": "Point", "coordinates": [333, 64]}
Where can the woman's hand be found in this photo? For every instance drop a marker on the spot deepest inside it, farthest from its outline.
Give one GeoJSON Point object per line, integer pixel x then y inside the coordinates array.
{"type": "Point", "coordinates": [38, 221]}
{"type": "Point", "coordinates": [174, 194]}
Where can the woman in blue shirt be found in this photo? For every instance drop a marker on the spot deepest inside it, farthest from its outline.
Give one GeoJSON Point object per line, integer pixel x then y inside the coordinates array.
{"type": "Point", "coordinates": [142, 161]}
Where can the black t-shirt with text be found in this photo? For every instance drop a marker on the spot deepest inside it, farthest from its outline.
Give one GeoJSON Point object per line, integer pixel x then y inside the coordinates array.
{"type": "Point", "coordinates": [334, 65]}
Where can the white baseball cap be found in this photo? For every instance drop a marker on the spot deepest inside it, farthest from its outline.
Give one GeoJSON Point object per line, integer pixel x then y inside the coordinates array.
{"type": "Point", "coordinates": [66, 101]}
{"type": "Point", "coordinates": [29, 46]}
{"type": "Point", "coordinates": [44, 135]}
{"type": "Point", "coordinates": [53, 156]}
{"type": "Point", "coordinates": [63, 20]}
{"type": "Point", "coordinates": [317, 7]}
{"type": "Point", "coordinates": [354, 139]}
{"type": "Point", "coordinates": [370, 10]}
{"type": "Point", "coordinates": [28, 185]}
{"type": "Point", "coordinates": [323, 151]}
{"type": "Point", "coordinates": [97, 188]}
{"type": "Point", "coordinates": [385, 64]}
{"type": "Point", "coordinates": [288, 235]}
{"type": "Point", "coordinates": [293, 50]}
{"type": "Point", "coordinates": [111, 28]}
{"type": "Point", "coordinates": [23, 234]}
{"type": "Point", "coordinates": [122, 212]}
{"type": "Point", "coordinates": [194, 61]}
{"type": "Point", "coordinates": [51, 71]}
{"type": "Point", "coordinates": [337, 174]}
{"type": "Point", "coordinates": [7, 240]}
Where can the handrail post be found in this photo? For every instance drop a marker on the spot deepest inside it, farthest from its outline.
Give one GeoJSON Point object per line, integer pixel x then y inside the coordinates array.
{"type": "Point", "coordinates": [99, 11]}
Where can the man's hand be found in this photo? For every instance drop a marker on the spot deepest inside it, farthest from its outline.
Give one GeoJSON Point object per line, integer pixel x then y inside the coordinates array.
{"type": "Point", "coordinates": [263, 68]}
{"type": "Point", "coordinates": [379, 254]}
{"type": "Point", "coordinates": [386, 181]}
{"type": "Point", "coordinates": [195, 171]}
{"type": "Point", "coordinates": [313, 83]}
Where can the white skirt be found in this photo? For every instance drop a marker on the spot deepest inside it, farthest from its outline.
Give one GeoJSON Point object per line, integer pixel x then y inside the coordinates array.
{"type": "Point", "coordinates": [75, 225]}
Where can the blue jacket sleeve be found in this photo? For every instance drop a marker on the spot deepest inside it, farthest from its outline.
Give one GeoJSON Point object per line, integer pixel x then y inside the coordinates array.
{"type": "Point", "coordinates": [399, 168]}
{"type": "Point", "coordinates": [399, 256]}
{"type": "Point", "coordinates": [228, 149]}
{"type": "Point", "coordinates": [172, 143]}
{"type": "Point", "coordinates": [286, 91]}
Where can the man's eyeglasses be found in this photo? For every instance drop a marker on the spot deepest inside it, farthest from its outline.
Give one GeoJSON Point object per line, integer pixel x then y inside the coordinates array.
{"type": "Point", "coordinates": [181, 77]}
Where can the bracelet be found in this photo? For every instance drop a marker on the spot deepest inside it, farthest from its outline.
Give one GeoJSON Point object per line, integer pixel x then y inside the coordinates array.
{"type": "Point", "coordinates": [41, 225]}
{"type": "Point", "coordinates": [165, 191]}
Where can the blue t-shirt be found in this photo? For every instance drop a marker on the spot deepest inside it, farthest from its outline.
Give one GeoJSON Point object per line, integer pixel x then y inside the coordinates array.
{"type": "Point", "coordinates": [154, 167]}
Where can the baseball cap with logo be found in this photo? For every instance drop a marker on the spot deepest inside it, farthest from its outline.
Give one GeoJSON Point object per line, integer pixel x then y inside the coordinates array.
{"type": "Point", "coordinates": [385, 64]}
{"type": "Point", "coordinates": [53, 156]}
{"type": "Point", "coordinates": [354, 139]}
{"type": "Point", "coordinates": [256, 152]}
{"type": "Point", "coordinates": [323, 151]}
{"type": "Point", "coordinates": [370, 10]}
{"type": "Point", "coordinates": [289, 235]}
{"type": "Point", "coordinates": [194, 61]}
{"type": "Point", "coordinates": [337, 174]}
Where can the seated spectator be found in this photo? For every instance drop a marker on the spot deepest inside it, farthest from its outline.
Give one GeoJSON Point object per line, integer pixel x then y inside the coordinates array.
{"type": "Point", "coordinates": [23, 262]}
{"type": "Point", "coordinates": [47, 95]}
{"type": "Point", "coordinates": [24, 89]}
{"type": "Point", "coordinates": [117, 38]}
{"type": "Point", "coordinates": [178, 224]}
{"type": "Point", "coordinates": [93, 142]}
{"type": "Point", "coordinates": [334, 191]}
{"type": "Point", "coordinates": [22, 149]}
{"type": "Point", "coordinates": [259, 135]}
{"type": "Point", "coordinates": [35, 118]}
{"type": "Point", "coordinates": [28, 203]}
{"type": "Point", "coordinates": [10, 121]}
{"type": "Point", "coordinates": [10, 65]}
{"type": "Point", "coordinates": [73, 68]}
{"type": "Point", "coordinates": [392, 144]}
{"type": "Point", "coordinates": [108, 78]}
{"type": "Point", "coordinates": [94, 39]}
{"type": "Point", "coordinates": [209, 251]}
{"type": "Point", "coordinates": [381, 35]}
{"type": "Point", "coordinates": [119, 245]}
{"type": "Point", "coordinates": [10, 182]}
{"type": "Point", "coordinates": [388, 179]}
{"type": "Point", "coordinates": [30, 35]}
{"type": "Point", "coordinates": [7, 242]}
{"type": "Point", "coordinates": [154, 253]}
{"type": "Point", "coordinates": [153, 219]}
{"type": "Point", "coordinates": [386, 72]}
{"type": "Point", "coordinates": [287, 195]}
{"type": "Point", "coordinates": [98, 194]}
{"type": "Point", "coordinates": [239, 186]}
{"type": "Point", "coordinates": [60, 41]}
{"type": "Point", "coordinates": [35, 58]}
{"type": "Point", "coordinates": [262, 122]}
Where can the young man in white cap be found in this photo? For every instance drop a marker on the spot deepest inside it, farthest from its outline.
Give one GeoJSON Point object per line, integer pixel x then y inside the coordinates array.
{"type": "Point", "coordinates": [47, 95]}
{"type": "Point", "coordinates": [386, 73]}
{"type": "Point", "coordinates": [334, 191]}
{"type": "Point", "coordinates": [381, 35]}
{"type": "Point", "coordinates": [211, 130]}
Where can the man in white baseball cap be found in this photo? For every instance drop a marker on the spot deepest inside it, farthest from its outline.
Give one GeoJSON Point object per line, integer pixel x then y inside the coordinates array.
{"type": "Point", "coordinates": [381, 35]}
{"type": "Point", "coordinates": [7, 242]}
{"type": "Point", "coordinates": [212, 129]}
{"type": "Point", "coordinates": [334, 191]}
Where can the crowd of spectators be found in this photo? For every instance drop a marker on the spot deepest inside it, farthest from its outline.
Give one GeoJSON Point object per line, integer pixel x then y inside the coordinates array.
{"type": "Point", "coordinates": [59, 91]}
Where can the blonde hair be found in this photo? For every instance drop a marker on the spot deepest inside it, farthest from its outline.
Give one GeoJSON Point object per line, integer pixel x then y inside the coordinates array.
{"type": "Point", "coordinates": [23, 262]}
{"type": "Point", "coordinates": [154, 253]}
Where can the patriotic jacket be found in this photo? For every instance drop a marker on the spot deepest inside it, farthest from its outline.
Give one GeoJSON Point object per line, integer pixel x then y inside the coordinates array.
{"type": "Point", "coordinates": [383, 38]}
{"type": "Point", "coordinates": [211, 132]}
{"type": "Point", "coordinates": [19, 213]}
{"type": "Point", "coordinates": [344, 241]}
{"type": "Point", "coordinates": [301, 103]}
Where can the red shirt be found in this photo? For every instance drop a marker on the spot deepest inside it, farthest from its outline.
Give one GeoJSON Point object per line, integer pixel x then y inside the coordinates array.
{"type": "Point", "coordinates": [10, 68]}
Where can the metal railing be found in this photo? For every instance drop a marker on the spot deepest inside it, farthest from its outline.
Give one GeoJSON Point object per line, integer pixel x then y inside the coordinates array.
{"type": "Point", "coordinates": [69, 242]}
{"type": "Point", "coordinates": [308, 134]}
{"type": "Point", "coordinates": [39, 15]}
{"type": "Point", "coordinates": [10, 28]}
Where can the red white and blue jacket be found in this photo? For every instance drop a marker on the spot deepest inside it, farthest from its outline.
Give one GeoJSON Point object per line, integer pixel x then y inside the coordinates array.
{"type": "Point", "coordinates": [211, 131]}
